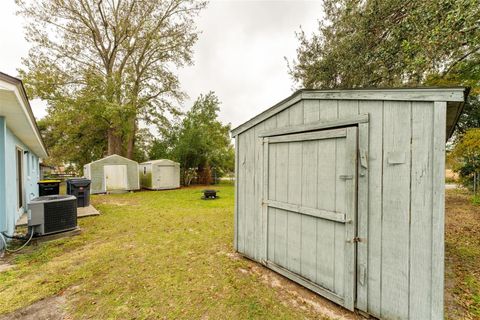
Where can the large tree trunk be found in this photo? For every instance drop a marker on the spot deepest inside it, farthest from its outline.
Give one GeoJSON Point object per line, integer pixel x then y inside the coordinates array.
{"type": "Point", "coordinates": [204, 175]}
{"type": "Point", "coordinates": [122, 144]}
{"type": "Point", "coordinates": [114, 143]}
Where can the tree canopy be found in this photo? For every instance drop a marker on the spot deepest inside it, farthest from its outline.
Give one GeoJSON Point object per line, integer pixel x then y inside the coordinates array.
{"type": "Point", "coordinates": [103, 66]}
{"type": "Point", "coordinates": [199, 142]}
{"type": "Point", "coordinates": [391, 43]}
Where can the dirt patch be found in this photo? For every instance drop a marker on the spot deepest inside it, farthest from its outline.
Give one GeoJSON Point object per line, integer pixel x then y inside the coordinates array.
{"type": "Point", "coordinates": [116, 201]}
{"type": "Point", "coordinates": [5, 265]}
{"type": "Point", "coordinates": [52, 308]}
{"type": "Point", "coordinates": [296, 296]}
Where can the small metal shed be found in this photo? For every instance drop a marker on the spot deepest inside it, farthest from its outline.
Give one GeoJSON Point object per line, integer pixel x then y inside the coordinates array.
{"type": "Point", "coordinates": [342, 191]}
{"type": "Point", "coordinates": [112, 174]}
{"type": "Point", "coordinates": [160, 174]}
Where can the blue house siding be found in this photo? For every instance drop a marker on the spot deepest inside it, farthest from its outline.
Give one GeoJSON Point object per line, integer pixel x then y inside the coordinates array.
{"type": "Point", "coordinates": [19, 139]}
{"type": "Point", "coordinates": [3, 185]}
{"type": "Point", "coordinates": [31, 175]}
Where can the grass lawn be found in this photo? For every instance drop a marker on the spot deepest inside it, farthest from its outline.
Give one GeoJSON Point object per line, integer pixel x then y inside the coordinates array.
{"type": "Point", "coordinates": [169, 255]}
{"type": "Point", "coordinates": [149, 254]}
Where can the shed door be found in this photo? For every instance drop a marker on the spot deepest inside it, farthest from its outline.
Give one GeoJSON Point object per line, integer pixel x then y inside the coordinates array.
{"type": "Point", "coordinates": [165, 176]}
{"type": "Point", "coordinates": [115, 177]}
{"type": "Point", "coordinates": [310, 210]}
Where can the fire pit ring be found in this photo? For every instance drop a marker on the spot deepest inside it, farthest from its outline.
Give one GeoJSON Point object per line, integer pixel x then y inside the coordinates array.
{"type": "Point", "coordinates": [209, 194]}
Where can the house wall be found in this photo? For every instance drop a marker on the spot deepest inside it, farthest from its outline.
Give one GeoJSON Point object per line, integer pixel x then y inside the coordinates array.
{"type": "Point", "coordinates": [31, 174]}
{"type": "Point", "coordinates": [3, 183]}
{"type": "Point", "coordinates": [97, 174]}
{"type": "Point", "coordinates": [403, 212]}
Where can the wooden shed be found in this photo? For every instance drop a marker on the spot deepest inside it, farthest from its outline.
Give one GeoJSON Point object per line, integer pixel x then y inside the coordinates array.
{"type": "Point", "coordinates": [112, 174]}
{"type": "Point", "coordinates": [160, 174]}
{"type": "Point", "coordinates": [342, 191]}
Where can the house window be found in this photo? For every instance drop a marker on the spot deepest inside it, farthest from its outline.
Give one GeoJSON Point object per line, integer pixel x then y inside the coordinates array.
{"type": "Point", "coordinates": [19, 161]}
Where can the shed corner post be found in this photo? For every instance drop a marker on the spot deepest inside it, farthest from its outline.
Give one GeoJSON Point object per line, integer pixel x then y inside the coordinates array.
{"type": "Point", "coordinates": [264, 197]}
{"type": "Point", "coordinates": [235, 210]}
{"type": "Point", "coordinates": [438, 213]}
{"type": "Point", "coordinates": [138, 177]}
{"type": "Point", "coordinates": [362, 217]}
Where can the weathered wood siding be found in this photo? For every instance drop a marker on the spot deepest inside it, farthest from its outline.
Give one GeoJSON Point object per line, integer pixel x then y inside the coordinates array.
{"type": "Point", "coordinates": [403, 206]}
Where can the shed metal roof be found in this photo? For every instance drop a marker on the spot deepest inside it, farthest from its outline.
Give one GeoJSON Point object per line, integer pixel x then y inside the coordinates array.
{"type": "Point", "coordinates": [454, 96]}
{"type": "Point", "coordinates": [111, 156]}
{"type": "Point", "coordinates": [161, 161]}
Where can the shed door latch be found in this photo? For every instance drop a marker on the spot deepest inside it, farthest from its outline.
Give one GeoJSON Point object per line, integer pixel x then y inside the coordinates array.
{"type": "Point", "coordinates": [346, 177]}
{"type": "Point", "coordinates": [355, 240]}
{"type": "Point", "coordinates": [363, 155]}
{"type": "Point", "coordinates": [362, 274]}
{"type": "Point", "coordinates": [363, 158]}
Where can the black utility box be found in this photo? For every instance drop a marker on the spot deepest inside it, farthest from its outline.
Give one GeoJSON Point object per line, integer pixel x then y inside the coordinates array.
{"type": "Point", "coordinates": [48, 187]}
{"type": "Point", "coordinates": [80, 188]}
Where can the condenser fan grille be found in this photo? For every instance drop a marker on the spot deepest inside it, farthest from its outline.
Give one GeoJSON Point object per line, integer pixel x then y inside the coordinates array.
{"type": "Point", "coordinates": [60, 216]}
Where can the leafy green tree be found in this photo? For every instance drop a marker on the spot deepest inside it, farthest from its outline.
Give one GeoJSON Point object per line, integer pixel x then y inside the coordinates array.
{"type": "Point", "coordinates": [466, 157]}
{"type": "Point", "coordinates": [73, 134]}
{"type": "Point", "coordinates": [200, 142]}
{"type": "Point", "coordinates": [109, 64]}
{"type": "Point", "coordinates": [389, 43]}
{"type": "Point", "coordinates": [143, 145]}
{"type": "Point", "coordinates": [470, 117]}
{"type": "Point", "coordinates": [467, 73]}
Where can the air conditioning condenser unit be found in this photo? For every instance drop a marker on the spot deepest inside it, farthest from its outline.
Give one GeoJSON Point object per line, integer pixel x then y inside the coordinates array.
{"type": "Point", "coordinates": [52, 214]}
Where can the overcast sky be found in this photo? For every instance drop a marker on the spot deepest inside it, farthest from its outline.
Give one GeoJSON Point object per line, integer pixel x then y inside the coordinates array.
{"type": "Point", "coordinates": [240, 53]}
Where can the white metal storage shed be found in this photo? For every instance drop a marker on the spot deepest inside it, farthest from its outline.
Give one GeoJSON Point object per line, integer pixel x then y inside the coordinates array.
{"type": "Point", "coordinates": [160, 174]}
{"type": "Point", "coordinates": [112, 174]}
{"type": "Point", "coordinates": [342, 191]}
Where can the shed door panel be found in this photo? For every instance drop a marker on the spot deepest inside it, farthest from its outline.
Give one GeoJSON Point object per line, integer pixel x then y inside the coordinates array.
{"type": "Point", "coordinates": [165, 175]}
{"type": "Point", "coordinates": [310, 201]}
{"type": "Point", "coordinates": [115, 177]}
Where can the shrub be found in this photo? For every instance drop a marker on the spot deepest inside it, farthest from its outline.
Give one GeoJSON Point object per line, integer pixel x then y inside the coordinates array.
{"type": "Point", "coordinates": [466, 158]}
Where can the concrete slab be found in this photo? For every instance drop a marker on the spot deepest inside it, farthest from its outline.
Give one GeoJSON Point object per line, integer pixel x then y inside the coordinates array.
{"type": "Point", "coordinates": [23, 221]}
{"type": "Point", "coordinates": [81, 212]}
{"type": "Point", "coordinates": [87, 211]}
{"type": "Point", "coordinates": [450, 186]}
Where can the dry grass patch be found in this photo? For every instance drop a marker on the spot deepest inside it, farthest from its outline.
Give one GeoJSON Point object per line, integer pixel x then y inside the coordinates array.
{"type": "Point", "coordinates": [462, 244]}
